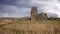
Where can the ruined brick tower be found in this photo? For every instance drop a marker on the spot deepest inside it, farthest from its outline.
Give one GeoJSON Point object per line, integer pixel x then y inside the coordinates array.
{"type": "Point", "coordinates": [35, 16]}
{"type": "Point", "coordinates": [34, 13]}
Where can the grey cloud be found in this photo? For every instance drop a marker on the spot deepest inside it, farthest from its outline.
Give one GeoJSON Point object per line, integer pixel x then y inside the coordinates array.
{"type": "Point", "coordinates": [14, 8]}
{"type": "Point", "coordinates": [19, 8]}
{"type": "Point", "coordinates": [7, 9]}
{"type": "Point", "coordinates": [19, 3]}
{"type": "Point", "coordinates": [13, 11]}
{"type": "Point", "coordinates": [7, 1]}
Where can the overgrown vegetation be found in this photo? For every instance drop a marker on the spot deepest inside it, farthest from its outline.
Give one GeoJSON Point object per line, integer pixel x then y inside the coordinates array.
{"type": "Point", "coordinates": [20, 21]}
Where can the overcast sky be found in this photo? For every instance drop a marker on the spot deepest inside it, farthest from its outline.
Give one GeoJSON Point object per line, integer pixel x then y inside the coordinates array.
{"type": "Point", "coordinates": [22, 8]}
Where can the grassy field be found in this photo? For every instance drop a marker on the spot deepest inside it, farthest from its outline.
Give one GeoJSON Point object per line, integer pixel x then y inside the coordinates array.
{"type": "Point", "coordinates": [18, 26]}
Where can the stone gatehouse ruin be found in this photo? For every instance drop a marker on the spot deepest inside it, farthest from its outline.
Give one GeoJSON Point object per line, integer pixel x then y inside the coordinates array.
{"type": "Point", "coordinates": [35, 16]}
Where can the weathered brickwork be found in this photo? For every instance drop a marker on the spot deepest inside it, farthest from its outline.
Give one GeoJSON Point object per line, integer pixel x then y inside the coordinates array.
{"type": "Point", "coordinates": [36, 16]}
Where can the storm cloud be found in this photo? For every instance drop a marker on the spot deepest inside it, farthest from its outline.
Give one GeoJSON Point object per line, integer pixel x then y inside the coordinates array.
{"type": "Point", "coordinates": [22, 8]}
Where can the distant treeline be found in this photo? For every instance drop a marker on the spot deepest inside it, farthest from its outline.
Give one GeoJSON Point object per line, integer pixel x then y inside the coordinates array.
{"type": "Point", "coordinates": [26, 18]}
{"type": "Point", "coordinates": [53, 18]}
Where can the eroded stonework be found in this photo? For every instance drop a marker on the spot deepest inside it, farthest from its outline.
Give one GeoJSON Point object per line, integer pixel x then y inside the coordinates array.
{"type": "Point", "coordinates": [36, 16]}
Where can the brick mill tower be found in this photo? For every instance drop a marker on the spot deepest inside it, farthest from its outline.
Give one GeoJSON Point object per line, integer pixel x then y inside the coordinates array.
{"type": "Point", "coordinates": [34, 13]}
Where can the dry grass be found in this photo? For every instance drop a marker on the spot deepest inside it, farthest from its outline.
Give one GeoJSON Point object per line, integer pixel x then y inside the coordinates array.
{"type": "Point", "coordinates": [29, 27]}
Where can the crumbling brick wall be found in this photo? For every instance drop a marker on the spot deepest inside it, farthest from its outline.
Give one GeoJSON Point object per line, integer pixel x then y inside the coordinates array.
{"type": "Point", "coordinates": [42, 16]}
{"type": "Point", "coordinates": [35, 16]}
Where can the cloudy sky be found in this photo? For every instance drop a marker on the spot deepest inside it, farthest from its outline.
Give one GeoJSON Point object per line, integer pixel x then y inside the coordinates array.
{"type": "Point", "coordinates": [22, 8]}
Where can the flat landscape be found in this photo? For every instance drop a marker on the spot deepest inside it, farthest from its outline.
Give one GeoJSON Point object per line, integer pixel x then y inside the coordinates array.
{"type": "Point", "coordinates": [18, 26]}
